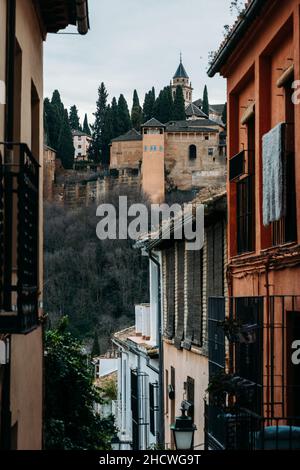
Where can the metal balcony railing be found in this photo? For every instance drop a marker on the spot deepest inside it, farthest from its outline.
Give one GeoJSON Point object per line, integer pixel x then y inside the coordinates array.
{"type": "Point", "coordinates": [19, 238]}
{"type": "Point", "coordinates": [254, 380]}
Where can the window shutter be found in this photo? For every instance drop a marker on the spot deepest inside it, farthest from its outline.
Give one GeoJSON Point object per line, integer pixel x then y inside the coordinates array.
{"type": "Point", "coordinates": [180, 295]}
{"type": "Point", "coordinates": [194, 298]}
{"type": "Point", "coordinates": [170, 292]}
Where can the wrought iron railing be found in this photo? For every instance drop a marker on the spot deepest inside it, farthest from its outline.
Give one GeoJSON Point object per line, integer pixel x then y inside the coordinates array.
{"type": "Point", "coordinates": [254, 374]}
{"type": "Point", "coordinates": [19, 238]}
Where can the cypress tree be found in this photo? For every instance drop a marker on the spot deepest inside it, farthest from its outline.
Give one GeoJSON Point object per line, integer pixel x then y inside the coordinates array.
{"type": "Point", "coordinates": [96, 347]}
{"type": "Point", "coordinates": [115, 118]}
{"type": "Point", "coordinates": [124, 122]}
{"type": "Point", "coordinates": [224, 114]}
{"type": "Point", "coordinates": [65, 149]}
{"type": "Point", "coordinates": [205, 102]}
{"type": "Point", "coordinates": [97, 144]}
{"type": "Point", "coordinates": [47, 121]}
{"type": "Point", "coordinates": [57, 118]}
{"type": "Point", "coordinates": [149, 103]}
{"type": "Point", "coordinates": [163, 109]}
{"type": "Point", "coordinates": [179, 106]}
{"type": "Point", "coordinates": [136, 112]}
{"type": "Point", "coordinates": [74, 119]}
{"type": "Point", "coordinates": [86, 128]}
{"type": "Point", "coordinates": [107, 135]}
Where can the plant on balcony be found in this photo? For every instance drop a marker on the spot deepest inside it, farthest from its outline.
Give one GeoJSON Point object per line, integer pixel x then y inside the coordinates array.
{"type": "Point", "coordinates": [237, 332]}
{"type": "Point", "coordinates": [223, 385]}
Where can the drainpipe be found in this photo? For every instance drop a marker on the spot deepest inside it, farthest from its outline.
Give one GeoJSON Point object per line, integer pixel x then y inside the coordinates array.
{"type": "Point", "coordinates": [161, 426]}
{"type": "Point", "coordinates": [82, 14]}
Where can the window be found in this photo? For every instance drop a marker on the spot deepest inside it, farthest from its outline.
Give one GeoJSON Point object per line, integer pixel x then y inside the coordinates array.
{"type": "Point", "coordinates": [79, 146]}
{"type": "Point", "coordinates": [246, 199]}
{"type": "Point", "coordinates": [192, 152]}
{"type": "Point", "coordinates": [79, 137]}
{"type": "Point", "coordinates": [206, 136]}
{"type": "Point", "coordinates": [210, 152]}
{"type": "Point", "coordinates": [194, 291]}
{"type": "Point", "coordinates": [145, 148]}
{"type": "Point", "coordinates": [161, 149]}
{"type": "Point", "coordinates": [154, 148]}
{"type": "Point", "coordinates": [152, 407]}
{"type": "Point", "coordinates": [285, 230]}
{"type": "Point", "coordinates": [190, 396]}
{"type": "Point", "coordinates": [79, 154]}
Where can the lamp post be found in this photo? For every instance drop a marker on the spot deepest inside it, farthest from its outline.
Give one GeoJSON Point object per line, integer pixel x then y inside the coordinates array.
{"type": "Point", "coordinates": [183, 431]}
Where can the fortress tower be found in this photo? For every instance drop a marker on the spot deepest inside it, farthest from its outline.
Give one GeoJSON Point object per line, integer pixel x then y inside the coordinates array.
{"type": "Point", "coordinates": [153, 166]}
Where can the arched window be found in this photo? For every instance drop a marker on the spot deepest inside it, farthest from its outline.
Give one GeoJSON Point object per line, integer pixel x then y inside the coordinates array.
{"type": "Point", "coordinates": [192, 152]}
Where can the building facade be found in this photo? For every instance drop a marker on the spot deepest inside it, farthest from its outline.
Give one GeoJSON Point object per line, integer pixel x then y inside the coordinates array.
{"type": "Point", "coordinates": [178, 155]}
{"type": "Point", "coordinates": [261, 62]}
{"type": "Point", "coordinates": [81, 142]}
{"type": "Point", "coordinates": [23, 28]}
{"type": "Point", "coordinates": [188, 278]}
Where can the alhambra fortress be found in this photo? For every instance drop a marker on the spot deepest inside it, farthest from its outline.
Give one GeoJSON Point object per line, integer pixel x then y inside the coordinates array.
{"type": "Point", "coordinates": [162, 158]}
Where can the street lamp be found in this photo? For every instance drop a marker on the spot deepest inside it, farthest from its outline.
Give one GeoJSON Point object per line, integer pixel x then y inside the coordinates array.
{"type": "Point", "coordinates": [115, 443]}
{"type": "Point", "coordinates": [183, 431]}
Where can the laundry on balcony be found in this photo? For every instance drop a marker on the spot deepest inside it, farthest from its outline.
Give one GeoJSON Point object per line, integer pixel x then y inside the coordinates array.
{"type": "Point", "coordinates": [274, 206]}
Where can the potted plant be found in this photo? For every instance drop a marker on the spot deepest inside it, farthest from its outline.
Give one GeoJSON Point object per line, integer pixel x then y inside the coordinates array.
{"type": "Point", "coordinates": [237, 332]}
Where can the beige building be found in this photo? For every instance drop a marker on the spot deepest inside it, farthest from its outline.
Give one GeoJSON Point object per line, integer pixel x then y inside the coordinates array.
{"type": "Point", "coordinates": [81, 142]}
{"type": "Point", "coordinates": [180, 155]}
{"type": "Point", "coordinates": [24, 25]}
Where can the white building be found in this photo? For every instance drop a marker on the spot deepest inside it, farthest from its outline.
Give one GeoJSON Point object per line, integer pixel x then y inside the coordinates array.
{"type": "Point", "coordinates": [81, 142]}
{"type": "Point", "coordinates": [137, 408]}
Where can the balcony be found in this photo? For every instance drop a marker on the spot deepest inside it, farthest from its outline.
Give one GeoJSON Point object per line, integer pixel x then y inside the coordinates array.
{"type": "Point", "coordinates": [19, 237]}
{"type": "Point", "coordinates": [254, 375]}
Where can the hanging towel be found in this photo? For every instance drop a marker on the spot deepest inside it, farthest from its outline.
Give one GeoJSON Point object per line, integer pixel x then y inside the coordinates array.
{"type": "Point", "coordinates": [273, 174]}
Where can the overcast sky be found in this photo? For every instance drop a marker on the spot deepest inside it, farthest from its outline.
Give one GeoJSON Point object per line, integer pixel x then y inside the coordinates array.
{"type": "Point", "coordinates": [136, 44]}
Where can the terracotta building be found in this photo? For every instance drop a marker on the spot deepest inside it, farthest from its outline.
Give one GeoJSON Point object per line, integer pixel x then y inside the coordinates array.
{"type": "Point", "coordinates": [23, 28]}
{"type": "Point", "coordinates": [261, 62]}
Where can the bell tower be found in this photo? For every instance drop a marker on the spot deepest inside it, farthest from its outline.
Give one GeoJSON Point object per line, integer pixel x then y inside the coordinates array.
{"type": "Point", "coordinates": [182, 79]}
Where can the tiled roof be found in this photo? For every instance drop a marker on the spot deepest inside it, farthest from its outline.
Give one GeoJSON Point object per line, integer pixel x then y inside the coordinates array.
{"type": "Point", "coordinates": [153, 123]}
{"type": "Point", "coordinates": [130, 135]}
{"type": "Point", "coordinates": [197, 125]}
{"type": "Point", "coordinates": [181, 72]}
{"type": "Point", "coordinates": [193, 110]}
{"type": "Point", "coordinates": [209, 197]}
{"type": "Point", "coordinates": [212, 107]}
{"type": "Point", "coordinates": [239, 29]}
{"type": "Point", "coordinates": [80, 133]}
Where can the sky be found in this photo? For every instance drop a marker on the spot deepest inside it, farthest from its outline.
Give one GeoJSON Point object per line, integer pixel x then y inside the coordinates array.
{"type": "Point", "coordinates": [136, 44]}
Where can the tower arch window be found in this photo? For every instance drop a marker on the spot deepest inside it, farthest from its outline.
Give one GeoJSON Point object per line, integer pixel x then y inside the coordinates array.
{"type": "Point", "coordinates": [192, 152]}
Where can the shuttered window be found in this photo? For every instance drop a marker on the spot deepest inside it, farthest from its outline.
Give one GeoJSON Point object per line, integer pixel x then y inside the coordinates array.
{"type": "Point", "coordinates": [215, 260]}
{"type": "Point", "coordinates": [179, 295]}
{"type": "Point", "coordinates": [194, 287]}
{"type": "Point", "coordinates": [152, 408]}
{"type": "Point", "coordinates": [170, 292]}
{"type": "Point", "coordinates": [190, 395]}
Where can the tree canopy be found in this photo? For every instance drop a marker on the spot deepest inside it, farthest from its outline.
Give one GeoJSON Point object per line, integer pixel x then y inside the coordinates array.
{"type": "Point", "coordinates": [179, 105]}
{"type": "Point", "coordinates": [71, 422]}
{"type": "Point", "coordinates": [136, 112]}
{"type": "Point", "coordinates": [96, 147]}
{"type": "Point", "coordinates": [86, 128]}
{"type": "Point", "coordinates": [205, 102]}
{"type": "Point", "coordinates": [74, 119]}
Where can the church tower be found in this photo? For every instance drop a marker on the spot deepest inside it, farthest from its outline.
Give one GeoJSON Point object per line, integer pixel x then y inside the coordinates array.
{"type": "Point", "coordinates": [181, 78]}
